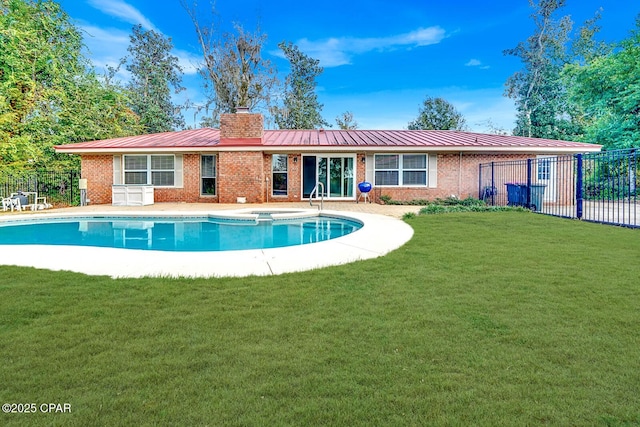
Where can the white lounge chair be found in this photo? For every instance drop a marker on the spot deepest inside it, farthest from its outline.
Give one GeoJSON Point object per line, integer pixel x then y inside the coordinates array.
{"type": "Point", "coordinates": [12, 203]}
{"type": "Point", "coordinates": [6, 204]}
{"type": "Point", "coordinates": [40, 203]}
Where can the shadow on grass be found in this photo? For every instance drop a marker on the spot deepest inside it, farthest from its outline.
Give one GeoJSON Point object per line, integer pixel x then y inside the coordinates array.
{"type": "Point", "coordinates": [482, 318]}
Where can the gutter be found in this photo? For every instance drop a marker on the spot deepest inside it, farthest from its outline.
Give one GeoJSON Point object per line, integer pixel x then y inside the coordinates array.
{"type": "Point", "coordinates": [587, 148]}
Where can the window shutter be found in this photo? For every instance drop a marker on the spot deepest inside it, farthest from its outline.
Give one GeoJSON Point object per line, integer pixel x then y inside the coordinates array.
{"type": "Point", "coordinates": [178, 180]}
{"type": "Point", "coordinates": [433, 170]}
{"type": "Point", "coordinates": [369, 168]}
{"type": "Point", "coordinates": [117, 170]}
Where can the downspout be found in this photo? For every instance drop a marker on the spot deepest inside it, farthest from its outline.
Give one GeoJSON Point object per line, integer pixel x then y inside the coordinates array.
{"type": "Point", "coordinates": [460, 176]}
{"type": "Point", "coordinates": [267, 179]}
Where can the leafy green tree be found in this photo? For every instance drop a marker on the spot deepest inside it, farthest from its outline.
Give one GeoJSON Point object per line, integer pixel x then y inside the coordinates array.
{"type": "Point", "coordinates": [301, 109]}
{"type": "Point", "coordinates": [437, 114]}
{"type": "Point", "coordinates": [48, 95]}
{"type": "Point", "coordinates": [542, 110]}
{"type": "Point", "coordinates": [39, 53]}
{"type": "Point", "coordinates": [154, 71]}
{"type": "Point", "coordinates": [607, 90]}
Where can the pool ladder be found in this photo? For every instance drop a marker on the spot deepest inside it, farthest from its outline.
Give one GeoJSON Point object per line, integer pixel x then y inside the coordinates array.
{"type": "Point", "coordinates": [319, 190]}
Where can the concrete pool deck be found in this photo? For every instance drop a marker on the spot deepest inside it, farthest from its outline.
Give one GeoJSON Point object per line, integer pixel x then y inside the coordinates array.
{"type": "Point", "coordinates": [382, 232]}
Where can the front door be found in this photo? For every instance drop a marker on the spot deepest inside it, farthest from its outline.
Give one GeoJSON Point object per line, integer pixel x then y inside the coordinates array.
{"type": "Point", "coordinates": [546, 174]}
{"type": "Point", "coordinates": [335, 173]}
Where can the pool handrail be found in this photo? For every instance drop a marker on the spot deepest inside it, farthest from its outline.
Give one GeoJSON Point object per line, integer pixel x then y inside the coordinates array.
{"type": "Point", "coordinates": [319, 185]}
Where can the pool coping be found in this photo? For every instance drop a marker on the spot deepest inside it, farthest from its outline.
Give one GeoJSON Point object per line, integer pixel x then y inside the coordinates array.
{"type": "Point", "coordinates": [366, 243]}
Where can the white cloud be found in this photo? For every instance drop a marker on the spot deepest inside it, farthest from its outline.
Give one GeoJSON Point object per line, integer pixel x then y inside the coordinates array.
{"type": "Point", "coordinates": [338, 51]}
{"type": "Point", "coordinates": [477, 63]}
{"type": "Point", "coordinates": [123, 11]}
{"type": "Point", "coordinates": [106, 46]}
{"type": "Point", "coordinates": [188, 61]}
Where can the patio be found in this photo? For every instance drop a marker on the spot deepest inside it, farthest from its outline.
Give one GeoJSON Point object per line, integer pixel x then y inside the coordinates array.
{"type": "Point", "coordinates": [396, 211]}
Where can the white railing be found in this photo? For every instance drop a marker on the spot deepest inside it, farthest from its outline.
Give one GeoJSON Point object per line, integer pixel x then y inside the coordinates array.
{"type": "Point", "coordinates": [319, 190]}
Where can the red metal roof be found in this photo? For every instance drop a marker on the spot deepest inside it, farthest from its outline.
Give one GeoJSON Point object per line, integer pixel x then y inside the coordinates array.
{"type": "Point", "coordinates": [407, 138]}
{"type": "Point", "coordinates": [207, 139]}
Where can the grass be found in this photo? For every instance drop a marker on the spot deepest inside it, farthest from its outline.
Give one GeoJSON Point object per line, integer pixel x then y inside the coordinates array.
{"type": "Point", "coordinates": [505, 318]}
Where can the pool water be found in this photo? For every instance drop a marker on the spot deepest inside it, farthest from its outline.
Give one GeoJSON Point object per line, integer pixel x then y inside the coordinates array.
{"type": "Point", "coordinates": [176, 234]}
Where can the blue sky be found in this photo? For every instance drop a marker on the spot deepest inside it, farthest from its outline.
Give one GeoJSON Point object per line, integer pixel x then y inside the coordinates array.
{"type": "Point", "coordinates": [380, 58]}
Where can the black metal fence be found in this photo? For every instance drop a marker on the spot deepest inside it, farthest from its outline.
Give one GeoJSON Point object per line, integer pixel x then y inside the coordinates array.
{"type": "Point", "coordinates": [600, 187]}
{"type": "Point", "coordinates": [60, 188]}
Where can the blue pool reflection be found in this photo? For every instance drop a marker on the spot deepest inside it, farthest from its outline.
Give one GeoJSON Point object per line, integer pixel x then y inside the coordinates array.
{"type": "Point", "coordinates": [177, 234]}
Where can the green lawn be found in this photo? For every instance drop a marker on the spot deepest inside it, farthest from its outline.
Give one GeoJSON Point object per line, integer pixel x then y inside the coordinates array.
{"type": "Point", "coordinates": [491, 319]}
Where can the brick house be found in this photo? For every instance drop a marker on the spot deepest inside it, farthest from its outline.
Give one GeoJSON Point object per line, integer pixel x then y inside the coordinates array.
{"type": "Point", "coordinates": [243, 161]}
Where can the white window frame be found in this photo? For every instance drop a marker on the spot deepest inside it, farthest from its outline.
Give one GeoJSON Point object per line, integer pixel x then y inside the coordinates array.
{"type": "Point", "coordinates": [214, 177]}
{"type": "Point", "coordinates": [544, 169]}
{"type": "Point", "coordinates": [148, 170]}
{"type": "Point", "coordinates": [284, 172]}
{"type": "Point", "coordinates": [400, 170]}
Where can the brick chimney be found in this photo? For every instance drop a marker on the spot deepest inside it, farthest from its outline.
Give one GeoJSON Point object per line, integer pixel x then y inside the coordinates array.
{"type": "Point", "coordinates": [241, 128]}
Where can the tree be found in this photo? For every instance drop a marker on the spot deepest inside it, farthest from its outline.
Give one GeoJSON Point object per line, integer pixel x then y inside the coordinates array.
{"type": "Point", "coordinates": [437, 114]}
{"type": "Point", "coordinates": [96, 108]}
{"type": "Point", "coordinates": [607, 90]}
{"type": "Point", "coordinates": [235, 73]}
{"type": "Point", "coordinates": [538, 90]}
{"type": "Point", "coordinates": [154, 71]}
{"type": "Point", "coordinates": [492, 128]}
{"type": "Point", "coordinates": [48, 95]}
{"type": "Point", "coordinates": [301, 109]}
{"type": "Point", "coordinates": [33, 75]}
{"type": "Point", "coordinates": [346, 121]}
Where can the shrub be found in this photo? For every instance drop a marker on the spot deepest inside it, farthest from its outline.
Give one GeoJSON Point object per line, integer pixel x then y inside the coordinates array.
{"type": "Point", "coordinates": [438, 209]}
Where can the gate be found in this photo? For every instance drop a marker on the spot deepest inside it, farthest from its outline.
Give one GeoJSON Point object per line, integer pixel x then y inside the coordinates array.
{"type": "Point", "coordinates": [600, 187]}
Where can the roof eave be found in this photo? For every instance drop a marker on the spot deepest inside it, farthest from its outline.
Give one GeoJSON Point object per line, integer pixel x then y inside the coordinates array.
{"type": "Point", "coordinates": [333, 148]}
{"type": "Point", "coordinates": [120, 150]}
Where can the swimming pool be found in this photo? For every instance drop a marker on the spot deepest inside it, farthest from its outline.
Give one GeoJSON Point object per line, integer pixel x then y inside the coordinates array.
{"type": "Point", "coordinates": [257, 230]}
{"type": "Point", "coordinates": [379, 235]}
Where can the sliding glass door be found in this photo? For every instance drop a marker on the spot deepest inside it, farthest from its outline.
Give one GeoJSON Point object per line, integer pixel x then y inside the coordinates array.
{"type": "Point", "coordinates": [336, 174]}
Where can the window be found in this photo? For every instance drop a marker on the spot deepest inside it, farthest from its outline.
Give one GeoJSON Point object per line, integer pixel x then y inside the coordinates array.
{"type": "Point", "coordinates": [279, 174]}
{"type": "Point", "coordinates": [162, 170]}
{"type": "Point", "coordinates": [208, 175]}
{"type": "Point", "coordinates": [400, 170]}
{"type": "Point", "coordinates": [157, 170]}
{"type": "Point", "coordinates": [544, 169]}
{"type": "Point", "coordinates": [387, 166]}
{"type": "Point", "coordinates": [135, 169]}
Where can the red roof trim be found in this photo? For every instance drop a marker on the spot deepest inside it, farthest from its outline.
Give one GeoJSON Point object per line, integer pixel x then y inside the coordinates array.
{"type": "Point", "coordinates": [240, 142]}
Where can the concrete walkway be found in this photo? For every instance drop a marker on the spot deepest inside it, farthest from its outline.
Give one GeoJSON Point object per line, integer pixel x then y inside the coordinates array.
{"type": "Point", "coordinates": [396, 211]}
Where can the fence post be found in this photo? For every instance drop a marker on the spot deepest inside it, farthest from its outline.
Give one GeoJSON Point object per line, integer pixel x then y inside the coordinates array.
{"type": "Point", "coordinates": [493, 184]}
{"type": "Point", "coordinates": [632, 174]}
{"type": "Point", "coordinates": [71, 188]}
{"type": "Point", "coordinates": [529, 162]}
{"type": "Point", "coordinates": [579, 195]}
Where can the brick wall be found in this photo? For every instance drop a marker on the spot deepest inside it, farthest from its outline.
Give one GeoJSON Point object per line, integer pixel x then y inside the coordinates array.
{"type": "Point", "coordinates": [242, 174]}
{"type": "Point", "coordinates": [242, 126]}
{"type": "Point", "coordinates": [457, 175]}
{"type": "Point", "coordinates": [190, 192]}
{"type": "Point", "coordinates": [98, 171]}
